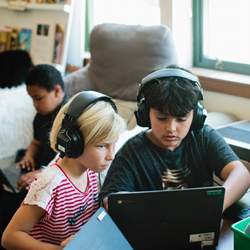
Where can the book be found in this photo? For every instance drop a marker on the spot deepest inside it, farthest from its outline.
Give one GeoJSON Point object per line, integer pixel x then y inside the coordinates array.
{"type": "Point", "coordinates": [58, 44]}
{"type": "Point", "coordinates": [4, 40]}
{"type": "Point", "coordinates": [24, 39]}
{"type": "Point", "coordinates": [12, 37]}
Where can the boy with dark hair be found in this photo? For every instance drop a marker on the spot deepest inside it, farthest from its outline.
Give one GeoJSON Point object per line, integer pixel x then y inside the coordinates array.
{"type": "Point", "coordinates": [177, 150]}
{"type": "Point", "coordinates": [46, 88]}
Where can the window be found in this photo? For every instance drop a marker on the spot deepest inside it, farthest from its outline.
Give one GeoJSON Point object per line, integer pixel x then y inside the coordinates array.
{"type": "Point", "coordinates": [221, 35]}
{"type": "Point", "coordinates": [145, 12]}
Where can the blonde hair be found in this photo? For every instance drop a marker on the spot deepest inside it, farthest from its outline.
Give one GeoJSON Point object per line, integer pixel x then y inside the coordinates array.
{"type": "Point", "coordinates": [98, 123]}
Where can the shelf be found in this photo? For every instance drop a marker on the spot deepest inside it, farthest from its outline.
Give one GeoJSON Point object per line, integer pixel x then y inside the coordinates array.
{"type": "Point", "coordinates": [34, 6]}
{"type": "Point", "coordinates": [49, 26]}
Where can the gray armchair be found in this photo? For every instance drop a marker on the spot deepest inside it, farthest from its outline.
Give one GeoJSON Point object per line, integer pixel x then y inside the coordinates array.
{"type": "Point", "coordinates": [121, 55]}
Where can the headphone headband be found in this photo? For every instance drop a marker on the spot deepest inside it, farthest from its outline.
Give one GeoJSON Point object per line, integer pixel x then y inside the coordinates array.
{"type": "Point", "coordinates": [84, 99]}
{"type": "Point", "coordinates": [168, 72]}
{"type": "Point", "coordinates": [142, 112]}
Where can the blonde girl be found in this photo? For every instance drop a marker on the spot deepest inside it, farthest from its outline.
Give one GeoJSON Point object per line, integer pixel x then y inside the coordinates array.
{"type": "Point", "coordinates": [65, 195]}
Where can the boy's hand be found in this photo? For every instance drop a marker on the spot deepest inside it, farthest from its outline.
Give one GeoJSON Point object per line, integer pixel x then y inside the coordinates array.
{"type": "Point", "coordinates": [27, 163]}
{"type": "Point", "coordinates": [26, 179]}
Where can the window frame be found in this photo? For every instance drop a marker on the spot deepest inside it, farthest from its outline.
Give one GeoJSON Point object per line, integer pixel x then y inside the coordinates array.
{"type": "Point", "coordinates": [199, 59]}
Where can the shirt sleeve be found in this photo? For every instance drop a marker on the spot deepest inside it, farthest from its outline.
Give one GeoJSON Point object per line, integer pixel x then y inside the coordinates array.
{"type": "Point", "coordinates": [41, 190]}
{"type": "Point", "coordinates": [36, 127]}
{"type": "Point", "coordinates": [219, 153]}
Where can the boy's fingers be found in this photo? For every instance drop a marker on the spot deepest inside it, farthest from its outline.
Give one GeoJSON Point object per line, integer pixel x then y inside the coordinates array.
{"type": "Point", "coordinates": [20, 164]}
{"type": "Point", "coordinates": [29, 165]}
{"type": "Point", "coordinates": [23, 164]}
{"type": "Point", "coordinates": [32, 166]}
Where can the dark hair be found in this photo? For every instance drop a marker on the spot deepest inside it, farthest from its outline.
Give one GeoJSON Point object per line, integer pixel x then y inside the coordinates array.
{"type": "Point", "coordinates": [176, 96]}
{"type": "Point", "coordinates": [45, 76]}
{"type": "Point", "coordinates": [14, 67]}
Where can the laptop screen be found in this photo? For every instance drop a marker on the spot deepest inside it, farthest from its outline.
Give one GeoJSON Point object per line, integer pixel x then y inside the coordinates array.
{"type": "Point", "coordinates": [169, 219]}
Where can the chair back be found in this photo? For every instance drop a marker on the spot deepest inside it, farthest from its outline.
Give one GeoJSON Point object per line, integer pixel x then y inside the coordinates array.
{"type": "Point", "coordinates": [121, 55]}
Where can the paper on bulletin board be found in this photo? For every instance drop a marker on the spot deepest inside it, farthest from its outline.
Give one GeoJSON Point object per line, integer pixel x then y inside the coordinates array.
{"type": "Point", "coordinates": [42, 45]}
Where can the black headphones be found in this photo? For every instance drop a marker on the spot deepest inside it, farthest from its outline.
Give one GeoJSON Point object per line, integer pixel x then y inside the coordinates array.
{"type": "Point", "coordinates": [70, 141]}
{"type": "Point", "coordinates": [142, 112]}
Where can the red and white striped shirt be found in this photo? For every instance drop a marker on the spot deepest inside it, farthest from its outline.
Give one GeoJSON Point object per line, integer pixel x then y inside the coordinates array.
{"type": "Point", "coordinates": [67, 208]}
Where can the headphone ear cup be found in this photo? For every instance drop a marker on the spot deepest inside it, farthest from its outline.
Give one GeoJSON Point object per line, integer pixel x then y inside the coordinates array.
{"type": "Point", "coordinates": [76, 145]}
{"type": "Point", "coordinates": [70, 142]}
{"type": "Point", "coordinates": [200, 115]}
{"type": "Point", "coordinates": [142, 115]}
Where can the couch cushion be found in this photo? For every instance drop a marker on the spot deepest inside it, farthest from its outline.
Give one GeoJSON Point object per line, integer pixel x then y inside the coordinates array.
{"type": "Point", "coordinates": [126, 109]}
{"type": "Point", "coordinates": [121, 55]}
{"type": "Point", "coordinates": [16, 117]}
{"type": "Point", "coordinates": [77, 81]}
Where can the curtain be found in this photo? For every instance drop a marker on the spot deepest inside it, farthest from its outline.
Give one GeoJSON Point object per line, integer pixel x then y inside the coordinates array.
{"type": "Point", "coordinates": [88, 23]}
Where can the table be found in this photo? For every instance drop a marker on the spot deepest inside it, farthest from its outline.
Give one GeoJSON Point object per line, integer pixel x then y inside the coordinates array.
{"type": "Point", "coordinates": [226, 239]}
{"type": "Point", "coordinates": [237, 135]}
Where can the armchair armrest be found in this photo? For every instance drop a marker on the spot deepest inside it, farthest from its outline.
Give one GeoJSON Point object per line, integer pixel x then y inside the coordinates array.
{"type": "Point", "coordinates": [77, 81]}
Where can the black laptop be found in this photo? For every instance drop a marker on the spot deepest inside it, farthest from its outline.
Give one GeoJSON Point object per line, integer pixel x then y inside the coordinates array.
{"type": "Point", "coordinates": [9, 177]}
{"type": "Point", "coordinates": [169, 219]}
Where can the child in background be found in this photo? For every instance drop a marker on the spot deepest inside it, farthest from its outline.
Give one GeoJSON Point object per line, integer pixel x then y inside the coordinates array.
{"type": "Point", "coordinates": [45, 86]}
{"type": "Point", "coordinates": [65, 195]}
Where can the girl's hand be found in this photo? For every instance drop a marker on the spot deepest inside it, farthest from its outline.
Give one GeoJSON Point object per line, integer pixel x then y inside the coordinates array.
{"type": "Point", "coordinates": [66, 241]}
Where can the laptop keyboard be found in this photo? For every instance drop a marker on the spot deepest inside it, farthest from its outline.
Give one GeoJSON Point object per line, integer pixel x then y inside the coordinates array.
{"type": "Point", "coordinates": [235, 133]}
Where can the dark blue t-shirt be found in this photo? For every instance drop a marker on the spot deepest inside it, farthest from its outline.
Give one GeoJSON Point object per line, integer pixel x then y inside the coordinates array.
{"type": "Point", "coordinates": [42, 125]}
{"type": "Point", "coordinates": [140, 165]}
